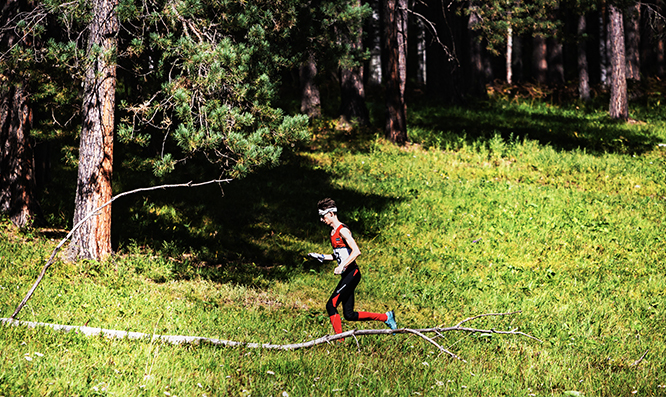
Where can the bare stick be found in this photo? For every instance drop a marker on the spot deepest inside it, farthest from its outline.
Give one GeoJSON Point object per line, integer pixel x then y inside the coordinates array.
{"type": "Point", "coordinates": [181, 339]}
{"type": "Point", "coordinates": [90, 214]}
{"type": "Point", "coordinates": [640, 359]}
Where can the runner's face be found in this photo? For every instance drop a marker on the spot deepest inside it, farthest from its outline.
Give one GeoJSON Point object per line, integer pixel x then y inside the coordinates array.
{"type": "Point", "coordinates": [327, 218]}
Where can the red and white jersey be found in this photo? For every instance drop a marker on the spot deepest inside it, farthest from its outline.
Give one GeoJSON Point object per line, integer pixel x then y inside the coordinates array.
{"type": "Point", "coordinates": [341, 250]}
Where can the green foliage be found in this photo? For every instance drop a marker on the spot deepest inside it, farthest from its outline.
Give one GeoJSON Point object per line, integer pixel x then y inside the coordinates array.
{"type": "Point", "coordinates": [448, 228]}
{"type": "Point", "coordinates": [496, 16]}
{"type": "Point", "coordinates": [215, 80]}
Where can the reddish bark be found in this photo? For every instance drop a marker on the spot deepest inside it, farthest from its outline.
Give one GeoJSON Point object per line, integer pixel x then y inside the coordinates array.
{"type": "Point", "coordinates": [93, 239]}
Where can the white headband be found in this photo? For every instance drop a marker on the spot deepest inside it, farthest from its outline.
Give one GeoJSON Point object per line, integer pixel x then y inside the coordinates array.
{"type": "Point", "coordinates": [327, 210]}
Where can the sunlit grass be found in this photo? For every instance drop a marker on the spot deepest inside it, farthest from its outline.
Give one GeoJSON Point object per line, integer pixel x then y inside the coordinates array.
{"type": "Point", "coordinates": [454, 226]}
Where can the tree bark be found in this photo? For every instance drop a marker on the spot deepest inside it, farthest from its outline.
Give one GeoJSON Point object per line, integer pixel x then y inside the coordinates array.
{"type": "Point", "coordinates": [583, 69]}
{"type": "Point", "coordinates": [395, 30]}
{"type": "Point", "coordinates": [619, 107]}
{"type": "Point", "coordinates": [17, 171]}
{"type": "Point", "coordinates": [93, 239]}
{"type": "Point", "coordinates": [633, 43]}
{"type": "Point", "coordinates": [539, 60]}
{"type": "Point", "coordinates": [310, 99]}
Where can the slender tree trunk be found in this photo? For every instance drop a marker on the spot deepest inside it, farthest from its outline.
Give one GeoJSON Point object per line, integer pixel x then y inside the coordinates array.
{"type": "Point", "coordinates": [603, 49]}
{"type": "Point", "coordinates": [352, 90]}
{"type": "Point", "coordinates": [93, 239]}
{"type": "Point", "coordinates": [421, 60]}
{"type": "Point", "coordinates": [583, 70]}
{"type": "Point", "coordinates": [17, 171]}
{"type": "Point", "coordinates": [395, 30]}
{"type": "Point", "coordinates": [375, 45]}
{"type": "Point", "coordinates": [633, 42]}
{"type": "Point", "coordinates": [660, 53]}
{"type": "Point", "coordinates": [509, 55]}
{"type": "Point", "coordinates": [310, 99]}
{"type": "Point", "coordinates": [539, 61]}
{"type": "Point", "coordinates": [476, 72]}
{"type": "Point", "coordinates": [619, 108]}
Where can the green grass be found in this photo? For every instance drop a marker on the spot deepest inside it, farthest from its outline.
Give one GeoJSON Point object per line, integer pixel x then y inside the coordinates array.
{"type": "Point", "coordinates": [507, 215]}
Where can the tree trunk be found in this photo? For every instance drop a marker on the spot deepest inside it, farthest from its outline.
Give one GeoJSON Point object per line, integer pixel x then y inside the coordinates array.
{"type": "Point", "coordinates": [17, 171]}
{"type": "Point", "coordinates": [310, 99]}
{"type": "Point", "coordinates": [619, 108]}
{"type": "Point", "coordinates": [352, 91]}
{"type": "Point", "coordinates": [633, 43]}
{"type": "Point", "coordinates": [660, 56]}
{"type": "Point", "coordinates": [509, 55]}
{"type": "Point", "coordinates": [583, 70]}
{"type": "Point", "coordinates": [476, 73]}
{"type": "Point", "coordinates": [421, 53]}
{"type": "Point", "coordinates": [555, 61]}
{"type": "Point", "coordinates": [375, 45]}
{"type": "Point", "coordinates": [93, 239]}
{"type": "Point", "coordinates": [603, 49]}
{"type": "Point", "coordinates": [395, 30]}
{"type": "Point", "coordinates": [539, 62]}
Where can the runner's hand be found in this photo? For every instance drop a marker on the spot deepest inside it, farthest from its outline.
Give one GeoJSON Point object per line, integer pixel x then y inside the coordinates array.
{"type": "Point", "coordinates": [317, 256]}
{"type": "Point", "coordinates": [338, 270]}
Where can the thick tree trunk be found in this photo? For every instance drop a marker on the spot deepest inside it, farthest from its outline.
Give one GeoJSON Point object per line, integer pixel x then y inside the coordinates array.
{"type": "Point", "coordinates": [633, 43]}
{"type": "Point", "coordinates": [583, 70]}
{"type": "Point", "coordinates": [93, 239]}
{"type": "Point", "coordinates": [539, 60]}
{"type": "Point", "coordinates": [395, 42]}
{"type": "Point", "coordinates": [619, 108]}
{"type": "Point", "coordinates": [17, 171]}
{"type": "Point", "coordinates": [310, 99]}
{"type": "Point", "coordinates": [352, 90]}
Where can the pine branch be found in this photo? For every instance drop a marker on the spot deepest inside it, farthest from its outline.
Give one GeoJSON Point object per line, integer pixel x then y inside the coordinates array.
{"type": "Point", "coordinates": [93, 213]}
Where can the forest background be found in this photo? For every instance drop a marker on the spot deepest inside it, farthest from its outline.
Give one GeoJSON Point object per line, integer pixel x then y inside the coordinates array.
{"type": "Point", "coordinates": [366, 102]}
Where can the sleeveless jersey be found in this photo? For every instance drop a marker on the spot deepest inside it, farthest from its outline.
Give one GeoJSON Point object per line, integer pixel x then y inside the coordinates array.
{"type": "Point", "coordinates": [341, 250]}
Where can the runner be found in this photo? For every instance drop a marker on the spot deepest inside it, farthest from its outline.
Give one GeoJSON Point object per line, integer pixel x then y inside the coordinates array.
{"type": "Point", "coordinates": [345, 252]}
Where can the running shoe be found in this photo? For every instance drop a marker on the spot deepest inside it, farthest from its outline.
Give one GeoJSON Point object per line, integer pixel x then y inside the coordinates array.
{"type": "Point", "coordinates": [390, 321]}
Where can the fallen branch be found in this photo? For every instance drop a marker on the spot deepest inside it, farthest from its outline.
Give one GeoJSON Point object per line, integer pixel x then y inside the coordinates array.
{"type": "Point", "coordinates": [180, 339]}
{"type": "Point", "coordinates": [90, 214]}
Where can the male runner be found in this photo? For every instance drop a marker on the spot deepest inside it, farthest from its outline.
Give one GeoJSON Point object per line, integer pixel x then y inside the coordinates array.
{"type": "Point", "coordinates": [345, 252]}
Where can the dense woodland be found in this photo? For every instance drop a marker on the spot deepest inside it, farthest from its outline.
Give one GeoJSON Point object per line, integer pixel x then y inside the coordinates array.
{"type": "Point", "coordinates": [147, 85]}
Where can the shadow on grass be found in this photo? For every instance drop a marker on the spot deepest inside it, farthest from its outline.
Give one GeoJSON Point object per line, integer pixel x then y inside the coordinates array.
{"type": "Point", "coordinates": [591, 130]}
{"type": "Point", "coordinates": [248, 232]}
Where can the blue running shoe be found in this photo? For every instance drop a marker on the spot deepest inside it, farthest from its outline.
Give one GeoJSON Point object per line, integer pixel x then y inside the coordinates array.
{"type": "Point", "coordinates": [390, 321]}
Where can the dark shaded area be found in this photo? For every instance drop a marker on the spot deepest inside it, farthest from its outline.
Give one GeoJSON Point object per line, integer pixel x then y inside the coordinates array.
{"type": "Point", "coordinates": [236, 232]}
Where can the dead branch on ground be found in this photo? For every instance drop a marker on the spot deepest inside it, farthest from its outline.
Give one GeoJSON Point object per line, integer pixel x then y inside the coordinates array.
{"type": "Point", "coordinates": [181, 339]}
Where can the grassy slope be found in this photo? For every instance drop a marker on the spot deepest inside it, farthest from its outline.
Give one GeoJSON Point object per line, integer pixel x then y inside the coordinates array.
{"type": "Point", "coordinates": [571, 237]}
